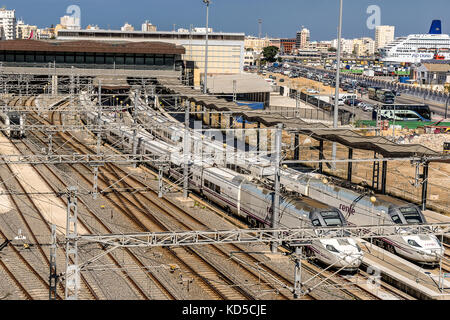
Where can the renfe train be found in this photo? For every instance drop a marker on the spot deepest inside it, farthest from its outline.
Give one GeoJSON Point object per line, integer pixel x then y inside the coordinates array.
{"type": "Point", "coordinates": [358, 207]}
{"type": "Point", "coordinates": [16, 119]}
{"type": "Point", "coordinates": [241, 196]}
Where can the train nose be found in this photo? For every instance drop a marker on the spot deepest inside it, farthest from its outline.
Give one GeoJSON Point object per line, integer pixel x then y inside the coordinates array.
{"type": "Point", "coordinates": [353, 260]}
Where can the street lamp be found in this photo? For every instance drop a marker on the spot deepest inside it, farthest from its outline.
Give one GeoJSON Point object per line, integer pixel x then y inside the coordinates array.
{"type": "Point", "coordinates": [205, 81]}
{"type": "Point", "coordinates": [447, 88]}
{"type": "Point", "coordinates": [336, 94]}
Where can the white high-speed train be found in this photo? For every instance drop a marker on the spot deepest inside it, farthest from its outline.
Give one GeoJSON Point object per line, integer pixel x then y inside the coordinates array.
{"type": "Point", "coordinates": [13, 118]}
{"type": "Point", "coordinates": [359, 209]}
{"type": "Point", "coordinates": [237, 194]}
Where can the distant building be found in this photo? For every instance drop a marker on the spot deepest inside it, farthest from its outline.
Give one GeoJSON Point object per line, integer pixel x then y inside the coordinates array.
{"type": "Point", "coordinates": [25, 31]}
{"type": "Point", "coordinates": [47, 33]}
{"type": "Point", "coordinates": [202, 30]}
{"type": "Point", "coordinates": [275, 43]}
{"type": "Point", "coordinates": [148, 27]}
{"type": "Point", "coordinates": [92, 27]}
{"type": "Point", "coordinates": [302, 39]}
{"type": "Point", "coordinates": [127, 27]}
{"type": "Point", "coordinates": [287, 45]}
{"type": "Point", "coordinates": [437, 73]}
{"type": "Point", "coordinates": [321, 46]}
{"type": "Point", "coordinates": [346, 45]}
{"type": "Point", "coordinates": [364, 47]}
{"type": "Point", "coordinates": [250, 57]}
{"type": "Point", "coordinates": [70, 23]}
{"type": "Point", "coordinates": [383, 36]}
{"type": "Point", "coordinates": [256, 44]}
{"type": "Point", "coordinates": [8, 24]}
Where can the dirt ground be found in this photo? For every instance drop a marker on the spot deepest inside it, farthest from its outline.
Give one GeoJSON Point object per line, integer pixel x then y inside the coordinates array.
{"type": "Point", "coordinates": [303, 83]}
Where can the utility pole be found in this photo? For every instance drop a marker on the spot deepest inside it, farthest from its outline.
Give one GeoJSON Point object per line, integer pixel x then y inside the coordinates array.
{"type": "Point", "coordinates": [298, 273]}
{"type": "Point", "coordinates": [72, 269]}
{"type": "Point", "coordinates": [134, 148]}
{"type": "Point", "coordinates": [186, 152]}
{"type": "Point", "coordinates": [336, 94]}
{"type": "Point", "coordinates": [99, 111]}
{"type": "Point", "coordinates": [205, 82]}
{"type": "Point", "coordinates": [259, 28]}
{"type": "Point", "coordinates": [276, 201]}
{"type": "Point", "coordinates": [447, 88]}
{"type": "Point", "coordinates": [95, 184]}
{"type": "Point", "coordinates": [53, 278]}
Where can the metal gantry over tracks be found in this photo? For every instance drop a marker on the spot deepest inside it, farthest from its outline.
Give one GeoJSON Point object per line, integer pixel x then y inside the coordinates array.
{"type": "Point", "coordinates": [296, 237]}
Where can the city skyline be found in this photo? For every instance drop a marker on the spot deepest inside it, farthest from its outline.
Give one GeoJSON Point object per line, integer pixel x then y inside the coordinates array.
{"type": "Point", "coordinates": [245, 20]}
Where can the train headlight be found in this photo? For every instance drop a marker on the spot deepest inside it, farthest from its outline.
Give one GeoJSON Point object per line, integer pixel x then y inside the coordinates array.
{"type": "Point", "coordinates": [414, 243]}
{"type": "Point", "coordinates": [331, 248]}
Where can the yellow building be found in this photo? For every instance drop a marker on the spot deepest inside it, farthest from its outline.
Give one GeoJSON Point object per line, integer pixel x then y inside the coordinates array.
{"type": "Point", "coordinates": [257, 44]}
{"type": "Point", "coordinates": [25, 31]}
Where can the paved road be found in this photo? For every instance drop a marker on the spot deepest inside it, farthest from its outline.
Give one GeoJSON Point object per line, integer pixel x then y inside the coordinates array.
{"type": "Point", "coordinates": [437, 108]}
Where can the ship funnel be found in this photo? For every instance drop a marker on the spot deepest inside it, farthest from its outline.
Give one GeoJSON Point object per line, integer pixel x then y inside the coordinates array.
{"type": "Point", "coordinates": [436, 27]}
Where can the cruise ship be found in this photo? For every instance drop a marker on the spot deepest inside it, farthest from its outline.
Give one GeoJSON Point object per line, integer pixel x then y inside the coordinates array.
{"type": "Point", "coordinates": [417, 47]}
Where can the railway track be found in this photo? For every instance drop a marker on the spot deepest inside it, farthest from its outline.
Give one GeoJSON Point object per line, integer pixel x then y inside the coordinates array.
{"type": "Point", "coordinates": [274, 274]}
{"type": "Point", "coordinates": [284, 281]}
{"type": "Point", "coordinates": [125, 202]}
{"type": "Point", "coordinates": [141, 203]}
{"type": "Point", "coordinates": [26, 268]}
{"type": "Point", "coordinates": [141, 275]}
{"type": "Point", "coordinates": [222, 276]}
{"type": "Point", "coordinates": [446, 258]}
{"type": "Point", "coordinates": [32, 220]}
{"type": "Point", "coordinates": [210, 276]}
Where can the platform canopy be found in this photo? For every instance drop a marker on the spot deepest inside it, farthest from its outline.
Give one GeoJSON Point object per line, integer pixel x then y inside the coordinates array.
{"type": "Point", "coordinates": [345, 137]}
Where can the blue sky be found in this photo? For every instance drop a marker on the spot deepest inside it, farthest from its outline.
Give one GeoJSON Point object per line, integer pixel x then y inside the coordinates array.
{"type": "Point", "coordinates": [281, 18]}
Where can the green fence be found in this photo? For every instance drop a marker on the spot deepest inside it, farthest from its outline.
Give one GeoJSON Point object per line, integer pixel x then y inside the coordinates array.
{"type": "Point", "coordinates": [352, 71]}
{"type": "Point", "coordinates": [404, 124]}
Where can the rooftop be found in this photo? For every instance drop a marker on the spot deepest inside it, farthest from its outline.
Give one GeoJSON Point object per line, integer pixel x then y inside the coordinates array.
{"type": "Point", "coordinates": [438, 67]}
{"type": "Point", "coordinates": [92, 46]}
{"type": "Point", "coordinates": [346, 137]}
{"type": "Point", "coordinates": [245, 83]}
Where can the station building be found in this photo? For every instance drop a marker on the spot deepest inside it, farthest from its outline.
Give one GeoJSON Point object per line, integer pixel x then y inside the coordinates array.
{"type": "Point", "coordinates": [225, 50]}
{"type": "Point", "coordinates": [92, 54]}
{"type": "Point", "coordinates": [91, 59]}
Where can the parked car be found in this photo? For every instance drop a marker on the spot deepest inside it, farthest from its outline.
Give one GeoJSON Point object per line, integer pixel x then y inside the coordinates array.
{"type": "Point", "coordinates": [353, 102]}
{"type": "Point", "coordinates": [366, 107]}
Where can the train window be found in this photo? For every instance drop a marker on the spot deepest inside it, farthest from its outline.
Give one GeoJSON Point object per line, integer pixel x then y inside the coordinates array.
{"type": "Point", "coordinates": [316, 223]}
{"type": "Point", "coordinates": [212, 186]}
{"type": "Point", "coordinates": [331, 218]}
{"type": "Point", "coordinates": [343, 242]}
{"type": "Point", "coordinates": [396, 219]}
{"type": "Point", "coordinates": [411, 215]}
